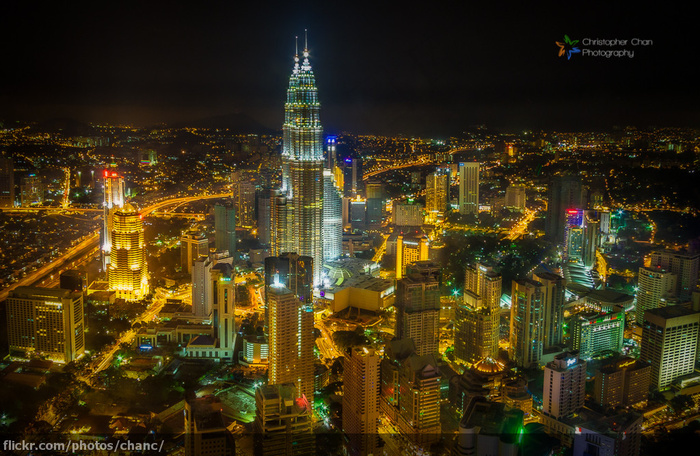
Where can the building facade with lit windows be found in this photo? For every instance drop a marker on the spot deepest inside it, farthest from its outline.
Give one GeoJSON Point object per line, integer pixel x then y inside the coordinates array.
{"type": "Point", "coordinates": [526, 322]}
{"type": "Point", "coordinates": [302, 166]}
{"type": "Point", "coordinates": [469, 188]}
{"type": "Point", "coordinates": [669, 343]}
{"type": "Point", "coordinates": [128, 271]}
{"type": "Point", "coordinates": [45, 322]}
{"type": "Point", "coordinates": [361, 383]}
{"type": "Point", "coordinates": [595, 333]}
{"type": "Point", "coordinates": [291, 340]}
{"type": "Point", "coordinates": [114, 191]}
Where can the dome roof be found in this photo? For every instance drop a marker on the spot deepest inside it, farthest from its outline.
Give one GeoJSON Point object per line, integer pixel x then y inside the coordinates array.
{"type": "Point", "coordinates": [489, 365]}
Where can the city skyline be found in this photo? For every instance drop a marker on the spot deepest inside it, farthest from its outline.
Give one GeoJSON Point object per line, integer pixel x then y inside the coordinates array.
{"type": "Point", "coordinates": [435, 71]}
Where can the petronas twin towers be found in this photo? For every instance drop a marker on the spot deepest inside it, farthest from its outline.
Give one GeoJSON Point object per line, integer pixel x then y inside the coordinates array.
{"type": "Point", "coordinates": [300, 222]}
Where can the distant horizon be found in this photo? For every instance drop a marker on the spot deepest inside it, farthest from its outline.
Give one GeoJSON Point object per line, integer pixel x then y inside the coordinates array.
{"type": "Point", "coordinates": [429, 71]}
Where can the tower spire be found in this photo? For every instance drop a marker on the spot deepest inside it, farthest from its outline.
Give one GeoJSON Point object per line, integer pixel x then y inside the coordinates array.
{"type": "Point", "coordinates": [306, 41]}
{"type": "Point", "coordinates": [296, 46]}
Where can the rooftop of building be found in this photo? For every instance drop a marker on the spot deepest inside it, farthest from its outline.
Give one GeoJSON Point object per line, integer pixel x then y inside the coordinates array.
{"type": "Point", "coordinates": [492, 418]}
{"type": "Point", "coordinates": [38, 293]}
{"type": "Point", "coordinates": [613, 425]}
{"type": "Point", "coordinates": [207, 413]}
{"type": "Point", "coordinates": [670, 312]}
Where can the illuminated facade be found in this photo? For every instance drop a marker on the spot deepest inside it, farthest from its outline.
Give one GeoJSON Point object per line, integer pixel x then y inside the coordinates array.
{"type": "Point", "coordinates": [291, 341]}
{"type": "Point", "coordinates": [225, 228]}
{"type": "Point", "coordinates": [409, 250]}
{"type": "Point", "coordinates": [595, 333]}
{"type": "Point", "coordinates": [564, 385]}
{"type": "Point", "coordinates": [302, 166]}
{"type": "Point", "coordinates": [526, 322]}
{"type": "Point", "coordinates": [332, 218]}
{"type": "Point", "coordinates": [45, 322]}
{"type": "Point", "coordinates": [361, 383]}
{"type": "Point", "coordinates": [657, 287]}
{"type": "Point", "coordinates": [128, 271]}
{"type": "Point", "coordinates": [469, 188]}
{"type": "Point", "coordinates": [477, 319]}
{"type": "Point", "coordinates": [283, 422]}
{"type": "Point", "coordinates": [437, 194]}
{"type": "Point", "coordinates": [669, 343]}
{"type": "Point", "coordinates": [113, 200]}
{"type": "Point", "coordinates": [418, 309]}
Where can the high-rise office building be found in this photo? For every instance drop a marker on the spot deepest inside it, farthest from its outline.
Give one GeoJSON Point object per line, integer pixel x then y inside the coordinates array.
{"type": "Point", "coordinates": [478, 318]}
{"type": "Point", "coordinates": [291, 340]}
{"type": "Point", "coordinates": [332, 218]}
{"type": "Point", "coordinates": [358, 214]}
{"type": "Point", "coordinates": [418, 311]}
{"type": "Point", "coordinates": [128, 271]}
{"type": "Point", "coordinates": [31, 191]}
{"type": "Point", "coordinates": [410, 392]}
{"type": "Point", "coordinates": [469, 188]}
{"type": "Point", "coordinates": [624, 382]}
{"type": "Point", "coordinates": [45, 322]}
{"type": "Point", "coordinates": [264, 222]}
{"type": "Point", "coordinates": [598, 333]}
{"type": "Point", "coordinates": [225, 228]}
{"type": "Point", "coordinates": [591, 238]}
{"type": "Point", "coordinates": [202, 288]}
{"type": "Point", "coordinates": [113, 200]}
{"type": "Point", "coordinates": [243, 200]}
{"type": "Point", "coordinates": [409, 250]}
{"type": "Point", "coordinates": [283, 422]}
{"type": "Point", "coordinates": [7, 182]}
{"type": "Point", "coordinates": [564, 385]}
{"type": "Point", "coordinates": [527, 322]}
{"type": "Point", "coordinates": [437, 194]}
{"type": "Point", "coordinates": [554, 288]}
{"type": "Point", "coordinates": [205, 430]}
{"type": "Point", "coordinates": [565, 192]}
{"type": "Point", "coordinates": [374, 191]}
{"type": "Point", "coordinates": [293, 271]}
{"type": "Point", "coordinates": [408, 214]}
{"type": "Point", "coordinates": [302, 165]}
{"type": "Point", "coordinates": [193, 245]}
{"type": "Point", "coordinates": [669, 343]}
{"type": "Point", "coordinates": [515, 197]}
{"type": "Point", "coordinates": [573, 235]}
{"type": "Point", "coordinates": [684, 265]}
{"type": "Point", "coordinates": [361, 382]}
{"type": "Point", "coordinates": [224, 309]}
{"type": "Point", "coordinates": [656, 287]}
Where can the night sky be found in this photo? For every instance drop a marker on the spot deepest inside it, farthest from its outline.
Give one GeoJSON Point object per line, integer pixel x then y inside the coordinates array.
{"type": "Point", "coordinates": [435, 69]}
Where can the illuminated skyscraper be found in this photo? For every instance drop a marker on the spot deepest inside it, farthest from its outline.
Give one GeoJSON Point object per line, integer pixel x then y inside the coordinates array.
{"type": "Point", "coordinates": [332, 218]}
{"type": "Point", "coordinates": [418, 307]}
{"type": "Point", "coordinates": [193, 245]}
{"type": "Point", "coordinates": [477, 319]}
{"type": "Point", "coordinates": [564, 385]}
{"type": "Point", "coordinates": [669, 343]}
{"type": "Point", "coordinates": [302, 164]}
{"type": "Point", "coordinates": [657, 287]}
{"type": "Point", "coordinates": [553, 287]}
{"type": "Point", "coordinates": [437, 194]}
{"type": "Point", "coordinates": [527, 322]}
{"type": "Point", "coordinates": [361, 383]}
{"type": "Point", "coordinates": [128, 273]}
{"type": "Point", "coordinates": [469, 188]}
{"type": "Point", "coordinates": [684, 265]}
{"type": "Point", "coordinates": [113, 199]}
{"type": "Point", "coordinates": [291, 340]}
{"type": "Point", "coordinates": [565, 192]}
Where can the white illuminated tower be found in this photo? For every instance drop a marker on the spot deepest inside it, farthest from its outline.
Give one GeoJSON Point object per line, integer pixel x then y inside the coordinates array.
{"type": "Point", "coordinates": [113, 200]}
{"type": "Point", "coordinates": [302, 164]}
